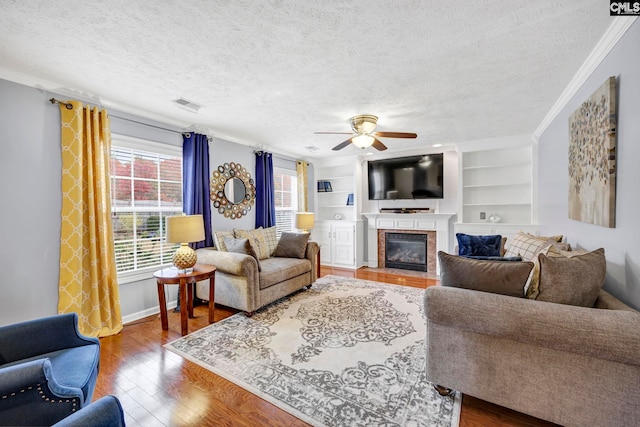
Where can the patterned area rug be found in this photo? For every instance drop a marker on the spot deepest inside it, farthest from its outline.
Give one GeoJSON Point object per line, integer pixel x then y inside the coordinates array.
{"type": "Point", "coordinates": [346, 352]}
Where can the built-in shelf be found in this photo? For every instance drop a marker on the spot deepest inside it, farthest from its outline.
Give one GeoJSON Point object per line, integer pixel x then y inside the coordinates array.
{"type": "Point", "coordinates": [497, 165]}
{"type": "Point", "coordinates": [498, 204]}
{"type": "Point", "coordinates": [510, 184]}
{"type": "Point", "coordinates": [496, 182]}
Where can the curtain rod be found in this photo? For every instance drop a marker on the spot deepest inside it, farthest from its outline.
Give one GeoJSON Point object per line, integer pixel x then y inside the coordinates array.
{"type": "Point", "coordinates": [273, 155]}
{"type": "Point", "coordinates": [70, 107]}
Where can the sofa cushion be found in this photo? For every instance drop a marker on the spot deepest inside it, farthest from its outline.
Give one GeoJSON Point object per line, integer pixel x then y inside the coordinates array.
{"type": "Point", "coordinates": [218, 239]}
{"type": "Point", "coordinates": [574, 280]}
{"type": "Point", "coordinates": [506, 278]}
{"type": "Point", "coordinates": [242, 246]}
{"type": "Point", "coordinates": [479, 245]}
{"type": "Point", "coordinates": [276, 270]}
{"type": "Point", "coordinates": [292, 245]}
{"type": "Point", "coordinates": [257, 239]}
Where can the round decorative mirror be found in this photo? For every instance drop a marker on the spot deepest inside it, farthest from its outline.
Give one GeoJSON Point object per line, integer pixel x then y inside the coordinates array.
{"type": "Point", "coordinates": [232, 190]}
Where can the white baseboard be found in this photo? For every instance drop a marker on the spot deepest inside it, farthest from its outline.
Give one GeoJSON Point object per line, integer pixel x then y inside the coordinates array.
{"type": "Point", "coordinates": [146, 313]}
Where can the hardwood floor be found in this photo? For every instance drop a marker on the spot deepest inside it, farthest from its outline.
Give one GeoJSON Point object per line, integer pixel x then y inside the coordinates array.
{"type": "Point", "coordinates": [159, 388]}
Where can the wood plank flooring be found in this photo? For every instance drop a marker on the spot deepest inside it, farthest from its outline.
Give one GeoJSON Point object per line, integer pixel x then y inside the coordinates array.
{"type": "Point", "coordinates": [158, 388]}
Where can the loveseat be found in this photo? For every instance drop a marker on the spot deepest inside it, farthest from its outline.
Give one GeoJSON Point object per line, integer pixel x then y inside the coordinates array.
{"type": "Point", "coordinates": [567, 352]}
{"type": "Point", "coordinates": [246, 282]}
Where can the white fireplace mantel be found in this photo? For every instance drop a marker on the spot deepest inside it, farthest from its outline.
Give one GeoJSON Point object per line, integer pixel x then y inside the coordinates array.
{"type": "Point", "coordinates": [438, 222]}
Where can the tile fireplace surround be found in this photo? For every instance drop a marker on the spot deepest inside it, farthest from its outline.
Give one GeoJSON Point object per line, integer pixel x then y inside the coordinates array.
{"type": "Point", "coordinates": [436, 226]}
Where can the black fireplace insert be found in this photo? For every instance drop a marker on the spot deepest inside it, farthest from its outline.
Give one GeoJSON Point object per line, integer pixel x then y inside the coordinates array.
{"type": "Point", "coordinates": [406, 251]}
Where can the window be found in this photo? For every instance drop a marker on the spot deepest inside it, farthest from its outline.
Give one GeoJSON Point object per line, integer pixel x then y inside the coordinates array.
{"type": "Point", "coordinates": [285, 185]}
{"type": "Point", "coordinates": [146, 187]}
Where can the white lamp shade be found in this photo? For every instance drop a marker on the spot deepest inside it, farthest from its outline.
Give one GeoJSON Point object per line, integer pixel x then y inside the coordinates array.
{"type": "Point", "coordinates": [305, 220]}
{"type": "Point", "coordinates": [362, 141]}
{"type": "Point", "coordinates": [185, 229]}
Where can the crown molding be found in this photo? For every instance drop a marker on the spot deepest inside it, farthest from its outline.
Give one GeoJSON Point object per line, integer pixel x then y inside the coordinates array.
{"type": "Point", "coordinates": [614, 33]}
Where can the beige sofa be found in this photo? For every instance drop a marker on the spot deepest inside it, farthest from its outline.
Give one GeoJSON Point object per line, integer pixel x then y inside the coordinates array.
{"type": "Point", "coordinates": [240, 285]}
{"type": "Point", "coordinates": [570, 365]}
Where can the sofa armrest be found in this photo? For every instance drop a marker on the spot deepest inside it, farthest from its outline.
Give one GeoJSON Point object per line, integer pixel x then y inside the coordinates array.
{"type": "Point", "coordinates": [229, 262]}
{"type": "Point", "coordinates": [606, 334]}
{"type": "Point", "coordinates": [32, 396]}
{"type": "Point", "coordinates": [312, 255]}
{"type": "Point", "coordinates": [45, 335]}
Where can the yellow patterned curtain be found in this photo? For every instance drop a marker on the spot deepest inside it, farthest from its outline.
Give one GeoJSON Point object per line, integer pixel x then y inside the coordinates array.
{"type": "Point", "coordinates": [301, 172]}
{"type": "Point", "coordinates": [88, 282]}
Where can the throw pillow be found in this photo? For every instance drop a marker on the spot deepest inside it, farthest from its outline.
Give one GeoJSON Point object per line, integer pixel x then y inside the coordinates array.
{"type": "Point", "coordinates": [527, 246]}
{"type": "Point", "coordinates": [479, 245]}
{"type": "Point", "coordinates": [292, 245]}
{"type": "Point", "coordinates": [257, 239]}
{"type": "Point", "coordinates": [495, 258]}
{"type": "Point", "coordinates": [271, 239]}
{"type": "Point", "coordinates": [557, 238]}
{"type": "Point", "coordinates": [575, 280]}
{"type": "Point", "coordinates": [498, 277]}
{"type": "Point", "coordinates": [218, 239]}
{"type": "Point", "coordinates": [242, 246]}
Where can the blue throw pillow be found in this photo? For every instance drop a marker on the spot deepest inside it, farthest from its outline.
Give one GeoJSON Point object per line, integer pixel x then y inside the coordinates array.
{"type": "Point", "coordinates": [469, 245]}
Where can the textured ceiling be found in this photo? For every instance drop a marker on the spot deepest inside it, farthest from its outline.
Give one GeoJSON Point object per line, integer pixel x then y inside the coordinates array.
{"type": "Point", "coordinates": [271, 73]}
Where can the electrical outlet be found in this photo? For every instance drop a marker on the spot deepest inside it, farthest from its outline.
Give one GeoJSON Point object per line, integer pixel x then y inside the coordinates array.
{"type": "Point", "coordinates": [483, 215]}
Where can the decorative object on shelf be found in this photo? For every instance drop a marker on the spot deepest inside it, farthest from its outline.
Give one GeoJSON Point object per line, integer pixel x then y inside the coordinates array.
{"type": "Point", "coordinates": [350, 199]}
{"type": "Point", "coordinates": [494, 218]}
{"type": "Point", "coordinates": [324, 186]}
{"type": "Point", "coordinates": [363, 126]}
{"type": "Point", "coordinates": [337, 216]}
{"type": "Point", "coordinates": [592, 158]}
{"type": "Point", "coordinates": [305, 221]}
{"type": "Point", "coordinates": [233, 191]}
{"type": "Point", "coordinates": [185, 229]}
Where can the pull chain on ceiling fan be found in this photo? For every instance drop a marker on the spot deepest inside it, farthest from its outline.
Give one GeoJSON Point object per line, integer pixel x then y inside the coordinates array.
{"type": "Point", "coordinates": [363, 126]}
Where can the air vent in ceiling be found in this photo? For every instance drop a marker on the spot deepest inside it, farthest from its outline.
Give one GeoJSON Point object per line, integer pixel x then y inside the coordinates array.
{"type": "Point", "coordinates": [185, 104]}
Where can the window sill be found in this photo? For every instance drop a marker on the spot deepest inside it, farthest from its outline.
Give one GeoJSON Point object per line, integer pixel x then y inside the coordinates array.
{"type": "Point", "coordinates": [139, 275]}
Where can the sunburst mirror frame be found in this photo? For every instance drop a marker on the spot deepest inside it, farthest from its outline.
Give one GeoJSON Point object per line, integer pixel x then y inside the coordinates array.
{"type": "Point", "coordinates": [221, 202]}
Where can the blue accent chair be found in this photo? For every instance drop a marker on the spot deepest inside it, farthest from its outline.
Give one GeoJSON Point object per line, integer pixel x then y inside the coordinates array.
{"type": "Point", "coordinates": [48, 370]}
{"type": "Point", "coordinates": [104, 412]}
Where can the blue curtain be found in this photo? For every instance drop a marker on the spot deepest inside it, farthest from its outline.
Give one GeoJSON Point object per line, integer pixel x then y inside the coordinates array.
{"type": "Point", "coordinates": [195, 182]}
{"type": "Point", "coordinates": [265, 199]}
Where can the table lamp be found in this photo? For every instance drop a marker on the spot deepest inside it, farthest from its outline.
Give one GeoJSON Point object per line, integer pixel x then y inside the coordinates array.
{"type": "Point", "coordinates": [185, 229]}
{"type": "Point", "coordinates": [305, 221]}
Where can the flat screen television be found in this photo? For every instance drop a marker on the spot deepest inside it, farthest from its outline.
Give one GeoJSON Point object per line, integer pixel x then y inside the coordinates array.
{"type": "Point", "coordinates": [413, 177]}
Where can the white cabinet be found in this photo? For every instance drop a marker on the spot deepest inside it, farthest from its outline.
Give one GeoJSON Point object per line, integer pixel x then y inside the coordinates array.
{"type": "Point", "coordinates": [338, 242]}
{"type": "Point", "coordinates": [497, 182]}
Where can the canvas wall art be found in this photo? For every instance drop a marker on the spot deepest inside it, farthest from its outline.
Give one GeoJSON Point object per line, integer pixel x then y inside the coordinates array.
{"type": "Point", "coordinates": [592, 158]}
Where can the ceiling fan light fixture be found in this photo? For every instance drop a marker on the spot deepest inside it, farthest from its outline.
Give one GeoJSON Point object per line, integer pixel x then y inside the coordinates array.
{"type": "Point", "coordinates": [364, 123]}
{"type": "Point", "coordinates": [363, 141]}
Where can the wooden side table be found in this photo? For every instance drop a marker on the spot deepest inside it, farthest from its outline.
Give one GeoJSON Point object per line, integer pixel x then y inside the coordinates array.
{"type": "Point", "coordinates": [186, 282]}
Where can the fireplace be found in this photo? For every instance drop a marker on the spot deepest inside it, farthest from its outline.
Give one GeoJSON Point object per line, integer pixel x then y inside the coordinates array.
{"type": "Point", "coordinates": [406, 250]}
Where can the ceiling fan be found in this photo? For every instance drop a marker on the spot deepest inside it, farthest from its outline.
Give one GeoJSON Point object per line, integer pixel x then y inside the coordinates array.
{"type": "Point", "coordinates": [363, 126]}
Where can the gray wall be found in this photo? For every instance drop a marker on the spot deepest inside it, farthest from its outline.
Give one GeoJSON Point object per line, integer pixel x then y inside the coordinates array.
{"type": "Point", "coordinates": [621, 244]}
{"type": "Point", "coordinates": [30, 165]}
{"type": "Point", "coordinates": [30, 193]}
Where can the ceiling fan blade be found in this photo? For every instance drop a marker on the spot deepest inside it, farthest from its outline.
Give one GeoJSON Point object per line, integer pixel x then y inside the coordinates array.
{"type": "Point", "coordinates": [378, 145]}
{"type": "Point", "coordinates": [395, 134]}
{"type": "Point", "coordinates": [333, 133]}
{"type": "Point", "coordinates": [342, 145]}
